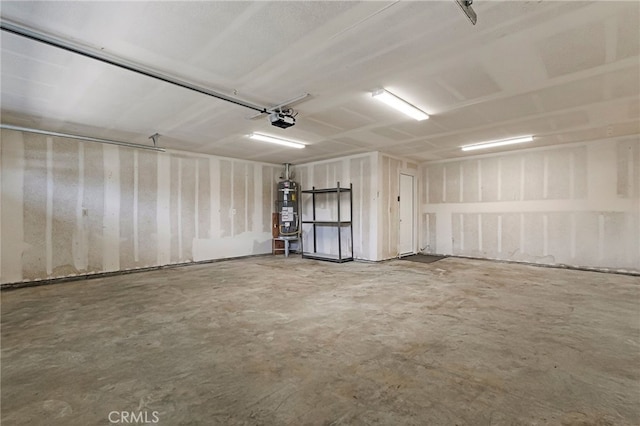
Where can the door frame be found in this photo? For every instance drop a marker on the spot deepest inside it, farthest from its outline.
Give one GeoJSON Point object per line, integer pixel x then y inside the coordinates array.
{"type": "Point", "coordinates": [414, 221]}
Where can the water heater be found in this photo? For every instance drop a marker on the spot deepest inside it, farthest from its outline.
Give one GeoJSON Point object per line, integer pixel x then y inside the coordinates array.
{"type": "Point", "coordinates": [287, 205]}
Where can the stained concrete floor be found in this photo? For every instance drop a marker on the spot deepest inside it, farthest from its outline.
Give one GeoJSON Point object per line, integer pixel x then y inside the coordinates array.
{"type": "Point", "coordinates": [274, 341]}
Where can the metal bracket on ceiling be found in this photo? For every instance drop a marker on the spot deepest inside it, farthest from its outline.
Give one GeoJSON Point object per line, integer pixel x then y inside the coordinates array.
{"type": "Point", "coordinates": [154, 138]}
{"type": "Point", "coordinates": [278, 108]}
{"type": "Point", "coordinates": [465, 5]}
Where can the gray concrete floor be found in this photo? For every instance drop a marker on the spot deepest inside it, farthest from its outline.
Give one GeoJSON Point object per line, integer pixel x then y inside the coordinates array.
{"type": "Point", "coordinates": [274, 341]}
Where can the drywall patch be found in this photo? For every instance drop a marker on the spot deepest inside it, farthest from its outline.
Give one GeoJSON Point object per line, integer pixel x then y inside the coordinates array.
{"type": "Point", "coordinates": [240, 245]}
{"type": "Point", "coordinates": [558, 51]}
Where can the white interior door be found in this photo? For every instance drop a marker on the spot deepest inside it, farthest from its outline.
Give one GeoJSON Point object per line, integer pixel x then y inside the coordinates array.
{"type": "Point", "coordinates": [406, 215]}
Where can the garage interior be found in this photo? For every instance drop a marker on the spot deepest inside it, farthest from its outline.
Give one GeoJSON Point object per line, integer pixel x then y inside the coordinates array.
{"type": "Point", "coordinates": [141, 222]}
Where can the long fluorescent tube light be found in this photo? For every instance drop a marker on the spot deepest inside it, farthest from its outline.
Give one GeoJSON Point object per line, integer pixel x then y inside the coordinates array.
{"type": "Point", "coordinates": [400, 104]}
{"type": "Point", "coordinates": [273, 139]}
{"type": "Point", "coordinates": [501, 142]}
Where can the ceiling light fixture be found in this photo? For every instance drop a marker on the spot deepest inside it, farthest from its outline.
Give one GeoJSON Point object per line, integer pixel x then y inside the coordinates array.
{"type": "Point", "coordinates": [491, 144]}
{"type": "Point", "coordinates": [400, 104]}
{"type": "Point", "coordinates": [273, 139]}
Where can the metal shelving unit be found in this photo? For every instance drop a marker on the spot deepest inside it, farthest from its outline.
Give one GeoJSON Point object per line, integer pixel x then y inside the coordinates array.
{"type": "Point", "coordinates": [338, 224]}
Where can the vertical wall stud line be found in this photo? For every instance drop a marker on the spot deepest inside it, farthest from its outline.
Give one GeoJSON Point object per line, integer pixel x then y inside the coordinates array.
{"type": "Point", "coordinates": [545, 177]}
{"type": "Point", "coordinates": [427, 243]}
{"type": "Point", "coordinates": [426, 185]}
{"type": "Point", "coordinates": [136, 241]}
{"type": "Point", "coordinates": [522, 234]}
{"type": "Point", "coordinates": [179, 209]}
{"type": "Point", "coordinates": [49, 219]}
{"type": "Point", "coordinates": [80, 250]}
{"type": "Point", "coordinates": [232, 203]}
{"type": "Point", "coordinates": [246, 197]}
{"type": "Point", "coordinates": [479, 180]}
{"type": "Point", "coordinates": [631, 187]}
{"type": "Point", "coordinates": [480, 232]}
{"type": "Point", "coordinates": [572, 175]}
{"type": "Point", "coordinates": [163, 212]}
{"type": "Point", "coordinates": [444, 183]}
{"type": "Point", "coordinates": [214, 193]}
{"type": "Point", "coordinates": [573, 235]}
{"type": "Point", "coordinates": [360, 212]}
{"type": "Point", "coordinates": [545, 235]}
{"type": "Point", "coordinates": [461, 217]}
{"type": "Point", "coordinates": [522, 169]}
{"type": "Point", "coordinates": [2, 270]}
{"type": "Point", "coordinates": [258, 202]}
{"type": "Point", "coordinates": [499, 236]}
{"type": "Point", "coordinates": [112, 200]}
{"type": "Point", "coordinates": [392, 204]}
{"type": "Point", "coordinates": [600, 237]}
{"type": "Point", "coordinates": [196, 201]}
{"type": "Point", "coordinates": [461, 183]}
{"type": "Point", "coordinates": [499, 179]}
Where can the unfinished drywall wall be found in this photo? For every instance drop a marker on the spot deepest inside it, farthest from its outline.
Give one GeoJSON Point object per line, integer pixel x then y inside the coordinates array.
{"type": "Point", "coordinates": [375, 178]}
{"type": "Point", "coordinates": [70, 207]}
{"type": "Point", "coordinates": [577, 205]}
{"type": "Point", "coordinates": [362, 172]}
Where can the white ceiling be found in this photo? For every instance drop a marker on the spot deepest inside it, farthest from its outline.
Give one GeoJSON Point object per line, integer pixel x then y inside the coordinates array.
{"type": "Point", "coordinates": [564, 71]}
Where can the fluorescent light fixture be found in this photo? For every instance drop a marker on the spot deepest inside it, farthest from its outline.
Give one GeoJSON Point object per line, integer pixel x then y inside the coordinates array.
{"type": "Point", "coordinates": [273, 139]}
{"type": "Point", "coordinates": [491, 144]}
{"type": "Point", "coordinates": [399, 104]}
